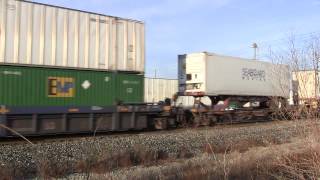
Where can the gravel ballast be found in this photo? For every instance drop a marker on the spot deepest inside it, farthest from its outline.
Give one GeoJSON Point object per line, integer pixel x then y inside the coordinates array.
{"type": "Point", "coordinates": [67, 156]}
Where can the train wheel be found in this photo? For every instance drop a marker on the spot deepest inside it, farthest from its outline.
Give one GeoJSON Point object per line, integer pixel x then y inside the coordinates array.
{"type": "Point", "coordinates": [205, 120]}
{"type": "Point", "coordinates": [213, 120]}
{"type": "Point", "coordinates": [181, 120]}
{"type": "Point", "coordinates": [195, 121]}
{"type": "Point", "coordinates": [160, 123]}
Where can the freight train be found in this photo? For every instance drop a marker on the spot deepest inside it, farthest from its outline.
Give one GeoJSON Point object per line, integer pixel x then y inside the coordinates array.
{"type": "Point", "coordinates": [67, 71]}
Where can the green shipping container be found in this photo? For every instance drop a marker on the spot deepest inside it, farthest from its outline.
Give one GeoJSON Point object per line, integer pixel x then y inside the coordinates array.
{"type": "Point", "coordinates": [39, 86]}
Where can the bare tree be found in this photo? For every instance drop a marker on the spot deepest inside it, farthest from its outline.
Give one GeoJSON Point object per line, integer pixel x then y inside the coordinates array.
{"type": "Point", "coordinates": [303, 59]}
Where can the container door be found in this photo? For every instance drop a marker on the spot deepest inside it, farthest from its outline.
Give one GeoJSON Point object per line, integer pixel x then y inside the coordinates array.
{"type": "Point", "coordinates": [130, 88]}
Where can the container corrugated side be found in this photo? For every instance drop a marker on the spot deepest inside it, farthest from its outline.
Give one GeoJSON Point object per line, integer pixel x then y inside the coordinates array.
{"type": "Point", "coordinates": [37, 86]}
{"type": "Point", "coordinates": [305, 84]}
{"type": "Point", "coordinates": [158, 89]}
{"type": "Point", "coordinates": [38, 34]}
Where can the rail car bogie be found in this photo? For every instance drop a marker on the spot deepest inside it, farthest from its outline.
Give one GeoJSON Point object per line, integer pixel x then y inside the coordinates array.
{"type": "Point", "coordinates": [123, 118]}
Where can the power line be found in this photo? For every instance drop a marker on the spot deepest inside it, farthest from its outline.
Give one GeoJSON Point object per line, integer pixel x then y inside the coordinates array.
{"type": "Point", "coordinates": [302, 36]}
{"type": "Point", "coordinates": [267, 44]}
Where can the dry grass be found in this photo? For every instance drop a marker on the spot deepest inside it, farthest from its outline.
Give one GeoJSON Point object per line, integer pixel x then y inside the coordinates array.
{"type": "Point", "coordinates": [299, 159]}
{"type": "Point", "coordinates": [16, 133]}
{"type": "Point", "coordinates": [303, 163]}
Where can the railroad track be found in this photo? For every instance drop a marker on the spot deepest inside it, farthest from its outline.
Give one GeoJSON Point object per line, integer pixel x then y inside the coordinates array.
{"type": "Point", "coordinates": [81, 136]}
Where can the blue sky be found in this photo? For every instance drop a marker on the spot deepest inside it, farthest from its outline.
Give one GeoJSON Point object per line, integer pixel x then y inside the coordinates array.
{"type": "Point", "coordinates": [222, 26]}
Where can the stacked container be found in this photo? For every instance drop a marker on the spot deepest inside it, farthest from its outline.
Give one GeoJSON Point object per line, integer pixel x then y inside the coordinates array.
{"type": "Point", "coordinates": [53, 56]}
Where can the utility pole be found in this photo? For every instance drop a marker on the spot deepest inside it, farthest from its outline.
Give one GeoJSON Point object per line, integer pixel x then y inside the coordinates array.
{"type": "Point", "coordinates": [255, 47]}
{"type": "Point", "coordinates": [155, 73]}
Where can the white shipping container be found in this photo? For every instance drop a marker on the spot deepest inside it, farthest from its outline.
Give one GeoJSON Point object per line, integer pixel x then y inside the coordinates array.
{"type": "Point", "coordinates": [213, 75]}
{"type": "Point", "coordinates": [39, 34]}
{"type": "Point", "coordinates": [156, 89]}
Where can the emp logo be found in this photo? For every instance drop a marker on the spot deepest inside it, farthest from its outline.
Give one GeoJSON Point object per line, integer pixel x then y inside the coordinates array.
{"type": "Point", "coordinates": [61, 87]}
